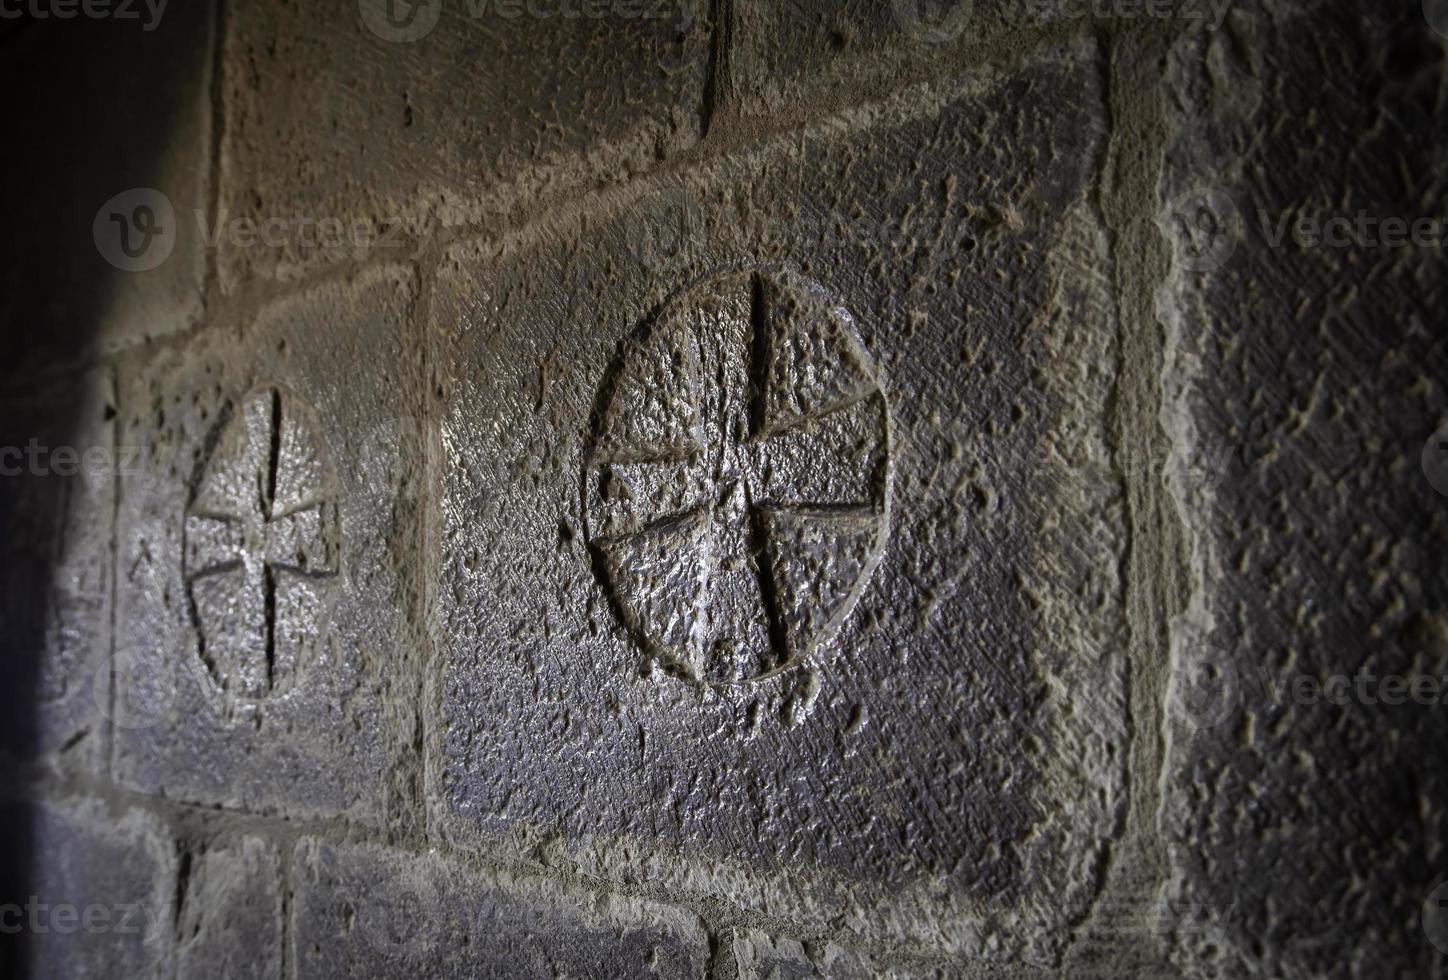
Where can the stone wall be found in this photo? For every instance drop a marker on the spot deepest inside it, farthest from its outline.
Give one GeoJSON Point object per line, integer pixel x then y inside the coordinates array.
{"type": "Point", "coordinates": [734, 489]}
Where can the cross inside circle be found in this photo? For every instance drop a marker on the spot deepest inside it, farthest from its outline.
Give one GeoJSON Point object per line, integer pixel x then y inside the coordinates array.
{"type": "Point", "coordinates": [261, 545]}
{"type": "Point", "coordinates": [737, 480]}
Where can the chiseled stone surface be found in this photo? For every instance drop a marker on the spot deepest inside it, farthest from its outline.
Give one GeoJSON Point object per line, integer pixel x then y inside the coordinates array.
{"type": "Point", "coordinates": [363, 911]}
{"type": "Point", "coordinates": [57, 460]}
{"type": "Point", "coordinates": [779, 532]}
{"type": "Point", "coordinates": [230, 922]}
{"type": "Point", "coordinates": [756, 955]}
{"type": "Point", "coordinates": [101, 892]}
{"type": "Point", "coordinates": [263, 654]}
{"type": "Point", "coordinates": [789, 57]}
{"type": "Point", "coordinates": [334, 114]}
{"type": "Point", "coordinates": [1305, 380]}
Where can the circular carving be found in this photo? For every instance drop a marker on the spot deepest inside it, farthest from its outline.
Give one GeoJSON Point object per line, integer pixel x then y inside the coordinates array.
{"type": "Point", "coordinates": [261, 545]}
{"type": "Point", "coordinates": [737, 478]}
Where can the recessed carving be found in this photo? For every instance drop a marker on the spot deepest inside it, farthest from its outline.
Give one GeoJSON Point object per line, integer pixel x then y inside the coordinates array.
{"type": "Point", "coordinates": [737, 479]}
{"type": "Point", "coordinates": [261, 545]}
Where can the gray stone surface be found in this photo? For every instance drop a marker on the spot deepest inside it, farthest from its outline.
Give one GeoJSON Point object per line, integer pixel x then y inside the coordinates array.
{"type": "Point", "coordinates": [362, 911]}
{"type": "Point", "coordinates": [57, 480]}
{"type": "Point", "coordinates": [757, 955]}
{"type": "Point", "coordinates": [829, 488]}
{"type": "Point", "coordinates": [482, 113]}
{"type": "Point", "coordinates": [789, 58]}
{"type": "Point", "coordinates": [101, 893]}
{"type": "Point", "coordinates": [263, 612]}
{"type": "Point", "coordinates": [230, 921]}
{"type": "Point", "coordinates": [860, 421]}
{"type": "Point", "coordinates": [152, 130]}
{"type": "Point", "coordinates": [1304, 382]}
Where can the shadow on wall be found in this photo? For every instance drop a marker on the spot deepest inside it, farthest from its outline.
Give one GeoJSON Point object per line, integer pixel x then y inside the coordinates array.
{"type": "Point", "coordinates": [94, 106]}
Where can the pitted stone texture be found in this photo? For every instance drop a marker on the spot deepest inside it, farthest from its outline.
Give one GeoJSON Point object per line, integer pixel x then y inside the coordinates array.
{"type": "Point", "coordinates": [62, 299]}
{"type": "Point", "coordinates": [230, 923]}
{"type": "Point", "coordinates": [101, 892]}
{"type": "Point", "coordinates": [491, 109]}
{"type": "Point", "coordinates": [789, 54]}
{"type": "Point", "coordinates": [759, 956]}
{"type": "Point", "coordinates": [736, 480]}
{"type": "Point", "coordinates": [57, 479]}
{"type": "Point", "coordinates": [263, 563]}
{"type": "Point", "coordinates": [946, 764]}
{"type": "Point", "coordinates": [365, 912]}
{"type": "Point", "coordinates": [1303, 383]}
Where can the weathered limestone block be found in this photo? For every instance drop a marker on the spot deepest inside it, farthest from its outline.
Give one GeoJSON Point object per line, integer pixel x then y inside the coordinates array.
{"type": "Point", "coordinates": [266, 558]}
{"type": "Point", "coordinates": [394, 120]}
{"type": "Point", "coordinates": [1305, 380]}
{"type": "Point", "coordinates": [788, 57]}
{"type": "Point", "coordinates": [779, 533]}
{"type": "Point", "coordinates": [57, 478]}
{"type": "Point", "coordinates": [230, 923]}
{"type": "Point", "coordinates": [100, 896]}
{"type": "Point", "coordinates": [364, 911]}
